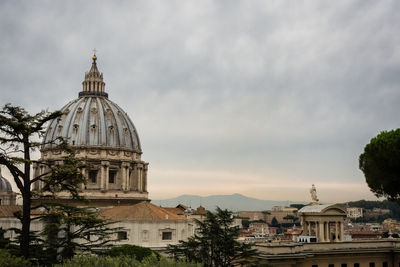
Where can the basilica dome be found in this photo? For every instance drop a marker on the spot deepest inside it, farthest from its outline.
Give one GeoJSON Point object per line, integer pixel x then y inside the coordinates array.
{"type": "Point", "coordinates": [5, 185]}
{"type": "Point", "coordinates": [104, 137]}
{"type": "Point", "coordinates": [93, 120]}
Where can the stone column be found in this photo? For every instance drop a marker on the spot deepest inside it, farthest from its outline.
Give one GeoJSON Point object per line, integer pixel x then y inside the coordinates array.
{"type": "Point", "coordinates": [341, 231]}
{"type": "Point", "coordinates": [146, 167]}
{"type": "Point", "coordinates": [84, 174]}
{"type": "Point", "coordinates": [102, 176]}
{"type": "Point", "coordinates": [327, 234]}
{"type": "Point", "coordinates": [336, 232]}
{"type": "Point", "coordinates": [106, 171]}
{"type": "Point", "coordinates": [309, 228]}
{"type": "Point", "coordinates": [139, 174]}
{"type": "Point", "coordinates": [321, 232]}
{"type": "Point", "coordinates": [305, 227]}
{"type": "Point", "coordinates": [123, 173]}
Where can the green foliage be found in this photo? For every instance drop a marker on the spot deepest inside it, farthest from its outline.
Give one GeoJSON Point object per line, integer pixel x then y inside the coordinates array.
{"type": "Point", "coordinates": [245, 224]}
{"type": "Point", "coordinates": [291, 218]}
{"type": "Point", "coordinates": [4, 242]}
{"type": "Point", "coordinates": [8, 260]}
{"type": "Point", "coordinates": [274, 222]}
{"type": "Point", "coordinates": [136, 252]}
{"type": "Point", "coordinates": [20, 133]}
{"type": "Point", "coordinates": [369, 205]}
{"type": "Point", "coordinates": [380, 164]}
{"type": "Point", "coordinates": [215, 243]}
{"type": "Point", "coordinates": [123, 261]}
{"type": "Point", "coordinates": [68, 229]}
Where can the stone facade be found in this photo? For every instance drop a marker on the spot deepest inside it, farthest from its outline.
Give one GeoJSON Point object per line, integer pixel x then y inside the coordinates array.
{"type": "Point", "coordinates": [376, 253]}
{"type": "Point", "coordinates": [105, 138]}
{"type": "Point", "coordinates": [326, 222]}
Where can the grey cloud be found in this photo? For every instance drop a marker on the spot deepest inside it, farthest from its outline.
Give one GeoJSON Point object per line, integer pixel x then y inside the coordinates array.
{"type": "Point", "coordinates": [227, 84]}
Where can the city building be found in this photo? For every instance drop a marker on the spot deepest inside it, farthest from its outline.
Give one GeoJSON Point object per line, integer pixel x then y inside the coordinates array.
{"type": "Point", "coordinates": [354, 212]}
{"type": "Point", "coordinates": [104, 136]}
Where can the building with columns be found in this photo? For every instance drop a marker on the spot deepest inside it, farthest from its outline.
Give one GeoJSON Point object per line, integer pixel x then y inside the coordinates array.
{"type": "Point", "coordinates": [325, 222]}
{"type": "Point", "coordinates": [104, 136]}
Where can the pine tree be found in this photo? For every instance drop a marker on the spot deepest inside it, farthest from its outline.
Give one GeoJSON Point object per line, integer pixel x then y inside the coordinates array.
{"type": "Point", "coordinates": [20, 133]}
{"type": "Point", "coordinates": [215, 244]}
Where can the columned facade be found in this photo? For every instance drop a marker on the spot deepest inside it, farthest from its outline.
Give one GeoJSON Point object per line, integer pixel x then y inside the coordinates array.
{"type": "Point", "coordinates": [105, 138]}
{"type": "Point", "coordinates": [325, 222]}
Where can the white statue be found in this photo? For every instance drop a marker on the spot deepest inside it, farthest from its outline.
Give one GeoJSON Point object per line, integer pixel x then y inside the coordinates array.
{"type": "Point", "coordinates": [314, 197]}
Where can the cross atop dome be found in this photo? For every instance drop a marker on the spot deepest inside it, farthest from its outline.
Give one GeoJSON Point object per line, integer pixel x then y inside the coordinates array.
{"type": "Point", "coordinates": [93, 83]}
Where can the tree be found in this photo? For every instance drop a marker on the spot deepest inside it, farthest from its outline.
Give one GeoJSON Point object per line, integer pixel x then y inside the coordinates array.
{"type": "Point", "coordinates": [380, 164]}
{"type": "Point", "coordinates": [20, 133]}
{"type": "Point", "coordinates": [68, 228]}
{"type": "Point", "coordinates": [137, 252]}
{"type": "Point", "coordinates": [9, 260]}
{"type": "Point", "coordinates": [291, 218]}
{"type": "Point", "coordinates": [215, 244]}
{"type": "Point", "coordinates": [274, 222]}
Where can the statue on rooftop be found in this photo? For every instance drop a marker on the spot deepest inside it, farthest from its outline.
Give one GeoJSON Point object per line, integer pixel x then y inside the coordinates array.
{"type": "Point", "coordinates": [314, 197]}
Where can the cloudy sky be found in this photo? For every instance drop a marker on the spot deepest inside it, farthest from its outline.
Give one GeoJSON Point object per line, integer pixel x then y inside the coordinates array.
{"type": "Point", "coordinates": [262, 98]}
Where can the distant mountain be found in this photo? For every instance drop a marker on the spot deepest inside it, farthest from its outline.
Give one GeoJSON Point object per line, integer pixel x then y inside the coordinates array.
{"type": "Point", "coordinates": [235, 202]}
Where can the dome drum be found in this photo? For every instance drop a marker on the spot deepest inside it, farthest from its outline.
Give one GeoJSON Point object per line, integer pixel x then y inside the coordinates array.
{"type": "Point", "coordinates": [105, 138]}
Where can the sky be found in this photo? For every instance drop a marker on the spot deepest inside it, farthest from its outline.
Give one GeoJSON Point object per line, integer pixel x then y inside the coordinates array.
{"type": "Point", "coordinates": [261, 98]}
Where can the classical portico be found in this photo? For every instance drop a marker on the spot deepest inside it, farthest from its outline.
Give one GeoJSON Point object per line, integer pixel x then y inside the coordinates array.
{"type": "Point", "coordinates": [323, 221]}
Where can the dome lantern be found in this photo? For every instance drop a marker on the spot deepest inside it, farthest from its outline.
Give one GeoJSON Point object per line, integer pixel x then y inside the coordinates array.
{"type": "Point", "coordinates": [93, 83]}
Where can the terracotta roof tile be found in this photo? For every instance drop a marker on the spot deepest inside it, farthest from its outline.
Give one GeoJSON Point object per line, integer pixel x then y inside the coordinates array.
{"type": "Point", "coordinates": [176, 211]}
{"type": "Point", "coordinates": [142, 211]}
{"type": "Point", "coordinates": [8, 211]}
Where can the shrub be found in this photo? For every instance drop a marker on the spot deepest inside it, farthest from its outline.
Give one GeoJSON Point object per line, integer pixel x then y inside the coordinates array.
{"type": "Point", "coordinates": [136, 252]}
{"type": "Point", "coordinates": [8, 260]}
{"type": "Point", "coordinates": [123, 261]}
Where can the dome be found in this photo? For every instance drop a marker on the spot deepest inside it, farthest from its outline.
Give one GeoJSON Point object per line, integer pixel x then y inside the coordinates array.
{"type": "Point", "coordinates": [93, 119]}
{"type": "Point", "coordinates": [5, 185]}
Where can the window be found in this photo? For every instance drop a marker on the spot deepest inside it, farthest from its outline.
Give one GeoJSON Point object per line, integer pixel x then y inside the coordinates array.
{"type": "Point", "coordinates": [168, 236]}
{"type": "Point", "coordinates": [372, 264]}
{"type": "Point", "coordinates": [356, 265]}
{"type": "Point", "coordinates": [344, 265]}
{"type": "Point", "coordinates": [122, 235]}
{"type": "Point", "coordinates": [331, 265]}
{"type": "Point", "coordinates": [111, 176]}
{"type": "Point", "coordinates": [93, 176]}
{"type": "Point", "coordinates": [385, 264]}
{"type": "Point", "coordinates": [315, 265]}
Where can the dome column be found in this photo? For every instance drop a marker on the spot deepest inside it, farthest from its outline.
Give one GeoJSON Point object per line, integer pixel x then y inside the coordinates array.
{"type": "Point", "coordinates": [125, 175]}
{"type": "Point", "coordinates": [104, 175]}
{"type": "Point", "coordinates": [84, 174]}
{"type": "Point", "coordinates": [146, 166]}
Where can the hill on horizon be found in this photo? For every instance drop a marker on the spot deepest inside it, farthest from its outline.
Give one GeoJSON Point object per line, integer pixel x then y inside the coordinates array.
{"type": "Point", "coordinates": [234, 202]}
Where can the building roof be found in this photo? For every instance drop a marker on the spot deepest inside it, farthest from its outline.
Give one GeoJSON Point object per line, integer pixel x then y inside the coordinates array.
{"type": "Point", "coordinates": [176, 211]}
{"type": "Point", "coordinates": [8, 211]}
{"type": "Point", "coordinates": [321, 208]}
{"type": "Point", "coordinates": [142, 211]}
{"type": "Point", "coordinates": [93, 119]}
